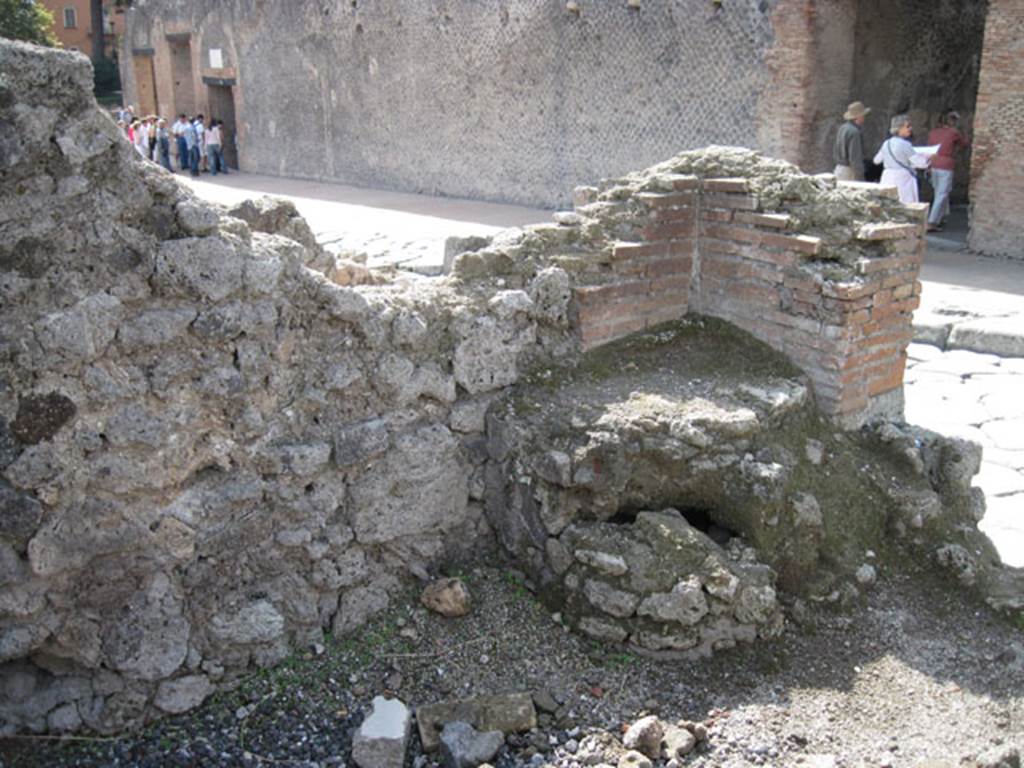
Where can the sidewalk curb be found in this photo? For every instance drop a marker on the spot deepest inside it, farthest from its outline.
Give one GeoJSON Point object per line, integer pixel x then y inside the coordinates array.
{"type": "Point", "coordinates": [974, 336]}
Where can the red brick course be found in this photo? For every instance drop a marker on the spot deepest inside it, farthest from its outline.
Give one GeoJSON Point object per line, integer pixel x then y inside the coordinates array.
{"type": "Point", "coordinates": [707, 252]}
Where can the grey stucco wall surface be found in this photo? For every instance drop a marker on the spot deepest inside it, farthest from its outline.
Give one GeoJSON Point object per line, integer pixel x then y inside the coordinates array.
{"type": "Point", "coordinates": [514, 100]}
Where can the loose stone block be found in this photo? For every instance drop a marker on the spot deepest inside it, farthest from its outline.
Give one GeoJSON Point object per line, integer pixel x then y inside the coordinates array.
{"type": "Point", "coordinates": [512, 713]}
{"type": "Point", "coordinates": [380, 742]}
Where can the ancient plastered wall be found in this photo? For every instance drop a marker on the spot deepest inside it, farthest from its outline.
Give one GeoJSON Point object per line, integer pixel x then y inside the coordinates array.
{"type": "Point", "coordinates": [997, 179]}
{"type": "Point", "coordinates": [517, 100]}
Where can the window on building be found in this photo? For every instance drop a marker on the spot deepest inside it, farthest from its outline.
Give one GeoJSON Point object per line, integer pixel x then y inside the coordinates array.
{"type": "Point", "coordinates": [70, 18]}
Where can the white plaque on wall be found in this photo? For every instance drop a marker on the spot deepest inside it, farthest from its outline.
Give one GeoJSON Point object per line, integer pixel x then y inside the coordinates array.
{"type": "Point", "coordinates": [216, 58]}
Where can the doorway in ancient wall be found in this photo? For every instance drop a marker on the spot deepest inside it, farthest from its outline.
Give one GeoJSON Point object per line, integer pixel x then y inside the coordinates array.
{"type": "Point", "coordinates": [145, 83]}
{"type": "Point", "coordinates": [922, 58]}
{"type": "Point", "coordinates": [180, 49]}
{"type": "Point", "coordinates": [222, 107]}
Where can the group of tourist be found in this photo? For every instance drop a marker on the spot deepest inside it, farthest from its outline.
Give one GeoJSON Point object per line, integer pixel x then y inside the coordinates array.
{"type": "Point", "coordinates": [198, 145]}
{"type": "Point", "coordinates": [901, 160]}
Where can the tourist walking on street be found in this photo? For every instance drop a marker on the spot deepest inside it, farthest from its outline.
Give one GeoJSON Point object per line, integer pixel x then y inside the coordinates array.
{"type": "Point", "coordinates": [950, 140]}
{"type": "Point", "coordinates": [848, 150]}
{"type": "Point", "coordinates": [152, 152]}
{"type": "Point", "coordinates": [900, 159]}
{"type": "Point", "coordinates": [192, 145]}
{"type": "Point", "coordinates": [178, 130]}
{"type": "Point", "coordinates": [163, 140]}
{"type": "Point", "coordinates": [214, 155]}
{"type": "Point", "coordinates": [200, 126]}
{"type": "Point", "coordinates": [140, 137]}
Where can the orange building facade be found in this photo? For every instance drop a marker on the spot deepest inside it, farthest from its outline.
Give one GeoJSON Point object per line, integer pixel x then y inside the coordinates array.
{"type": "Point", "coordinates": [72, 23]}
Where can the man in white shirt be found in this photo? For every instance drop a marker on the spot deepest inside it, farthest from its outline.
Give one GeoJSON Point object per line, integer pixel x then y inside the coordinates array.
{"type": "Point", "coordinates": [178, 131]}
{"type": "Point", "coordinates": [200, 127]}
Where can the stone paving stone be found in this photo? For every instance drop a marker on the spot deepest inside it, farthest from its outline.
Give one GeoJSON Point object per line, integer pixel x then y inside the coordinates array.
{"type": "Point", "coordinates": [1000, 335]}
{"type": "Point", "coordinates": [961, 363]}
{"type": "Point", "coordinates": [1004, 458]}
{"type": "Point", "coordinates": [1004, 524]}
{"type": "Point", "coordinates": [1007, 404]}
{"type": "Point", "coordinates": [923, 352]}
{"type": "Point", "coordinates": [1005, 434]}
{"type": "Point", "coordinates": [930, 404]}
{"type": "Point", "coordinates": [997, 480]}
{"type": "Point", "coordinates": [1014, 365]}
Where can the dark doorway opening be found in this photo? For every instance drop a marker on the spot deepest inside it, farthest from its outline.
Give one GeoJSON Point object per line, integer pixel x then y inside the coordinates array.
{"type": "Point", "coordinates": [921, 58]}
{"type": "Point", "coordinates": [700, 518]}
{"type": "Point", "coordinates": [183, 83]}
{"type": "Point", "coordinates": [222, 107]}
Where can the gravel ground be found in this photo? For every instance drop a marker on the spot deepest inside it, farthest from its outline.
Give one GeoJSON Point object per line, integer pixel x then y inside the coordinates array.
{"type": "Point", "coordinates": [913, 675]}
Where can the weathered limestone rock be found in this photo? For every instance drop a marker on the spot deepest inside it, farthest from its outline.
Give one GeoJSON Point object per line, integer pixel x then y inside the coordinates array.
{"type": "Point", "coordinates": [182, 694]}
{"type": "Point", "coordinates": [677, 742]}
{"type": "Point", "coordinates": [256, 622]}
{"type": "Point", "coordinates": [634, 759]}
{"type": "Point", "coordinates": [463, 747]}
{"type": "Point", "coordinates": [448, 597]}
{"type": "Point", "coordinates": [512, 713]}
{"type": "Point", "coordinates": [645, 736]}
{"type": "Point", "coordinates": [380, 742]}
{"type": "Point", "coordinates": [419, 486]}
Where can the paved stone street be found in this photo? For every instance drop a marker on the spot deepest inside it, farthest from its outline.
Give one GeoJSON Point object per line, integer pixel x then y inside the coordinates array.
{"type": "Point", "coordinates": [978, 396]}
{"type": "Point", "coordinates": [971, 306]}
{"type": "Point", "coordinates": [389, 227]}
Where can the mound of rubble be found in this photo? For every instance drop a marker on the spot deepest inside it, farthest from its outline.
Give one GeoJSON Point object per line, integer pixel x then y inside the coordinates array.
{"type": "Point", "coordinates": [217, 443]}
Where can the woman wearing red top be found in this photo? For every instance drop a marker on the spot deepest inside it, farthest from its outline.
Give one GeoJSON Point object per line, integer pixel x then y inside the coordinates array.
{"type": "Point", "coordinates": [950, 140]}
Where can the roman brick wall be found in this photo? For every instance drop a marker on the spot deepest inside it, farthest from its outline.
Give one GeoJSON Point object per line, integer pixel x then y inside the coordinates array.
{"type": "Point", "coordinates": [997, 179]}
{"type": "Point", "coordinates": [712, 246]}
{"type": "Point", "coordinates": [651, 277]}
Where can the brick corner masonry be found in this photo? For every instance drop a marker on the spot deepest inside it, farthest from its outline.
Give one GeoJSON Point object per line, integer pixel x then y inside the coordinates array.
{"type": "Point", "coordinates": [837, 298]}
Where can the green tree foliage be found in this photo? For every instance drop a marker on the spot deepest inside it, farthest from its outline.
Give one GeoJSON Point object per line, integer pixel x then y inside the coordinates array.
{"type": "Point", "coordinates": [26, 20]}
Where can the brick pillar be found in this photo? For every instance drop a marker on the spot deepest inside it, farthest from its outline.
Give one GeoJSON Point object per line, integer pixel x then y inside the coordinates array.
{"type": "Point", "coordinates": [997, 167]}
{"type": "Point", "coordinates": [786, 108]}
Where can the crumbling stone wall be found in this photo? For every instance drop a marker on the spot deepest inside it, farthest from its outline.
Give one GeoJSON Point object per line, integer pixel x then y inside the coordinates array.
{"type": "Point", "coordinates": [997, 182]}
{"type": "Point", "coordinates": [212, 452]}
{"type": "Point", "coordinates": [671, 490]}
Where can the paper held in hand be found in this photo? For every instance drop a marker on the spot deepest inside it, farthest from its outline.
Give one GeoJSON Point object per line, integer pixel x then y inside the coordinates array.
{"type": "Point", "coordinates": [927, 151]}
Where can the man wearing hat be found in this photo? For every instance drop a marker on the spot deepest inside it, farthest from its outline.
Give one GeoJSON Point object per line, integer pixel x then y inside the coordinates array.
{"type": "Point", "coordinates": [848, 151]}
{"type": "Point", "coordinates": [949, 139]}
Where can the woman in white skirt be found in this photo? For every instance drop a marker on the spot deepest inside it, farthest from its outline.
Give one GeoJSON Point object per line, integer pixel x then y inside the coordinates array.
{"type": "Point", "coordinates": [900, 159]}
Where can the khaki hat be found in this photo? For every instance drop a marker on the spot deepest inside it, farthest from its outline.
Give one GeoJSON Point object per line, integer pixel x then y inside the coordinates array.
{"type": "Point", "coordinates": [855, 110]}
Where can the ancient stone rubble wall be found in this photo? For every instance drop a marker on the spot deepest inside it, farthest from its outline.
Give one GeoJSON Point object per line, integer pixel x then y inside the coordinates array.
{"type": "Point", "coordinates": [672, 489]}
{"type": "Point", "coordinates": [211, 453]}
